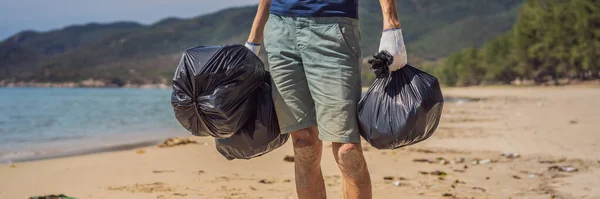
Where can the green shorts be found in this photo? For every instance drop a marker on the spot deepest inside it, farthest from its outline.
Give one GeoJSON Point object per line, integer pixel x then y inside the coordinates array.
{"type": "Point", "coordinates": [314, 63]}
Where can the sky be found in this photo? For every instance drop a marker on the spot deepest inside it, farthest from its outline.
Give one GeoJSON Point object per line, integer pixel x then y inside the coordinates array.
{"type": "Point", "coordinates": [43, 15]}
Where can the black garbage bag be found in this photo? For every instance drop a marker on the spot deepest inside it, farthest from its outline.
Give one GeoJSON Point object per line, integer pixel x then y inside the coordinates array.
{"type": "Point", "coordinates": [255, 138]}
{"type": "Point", "coordinates": [211, 87]}
{"type": "Point", "coordinates": [401, 108]}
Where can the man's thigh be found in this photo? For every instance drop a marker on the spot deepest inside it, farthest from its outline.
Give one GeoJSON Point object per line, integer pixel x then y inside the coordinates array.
{"type": "Point", "coordinates": [293, 102]}
{"type": "Point", "coordinates": [331, 64]}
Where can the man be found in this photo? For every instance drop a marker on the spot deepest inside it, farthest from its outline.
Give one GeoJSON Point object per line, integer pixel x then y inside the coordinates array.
{"type": "Point", "coordinates": [313, 52]}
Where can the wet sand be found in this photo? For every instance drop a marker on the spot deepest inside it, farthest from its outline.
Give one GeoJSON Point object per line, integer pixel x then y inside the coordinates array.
{"type": "Point", "coordinates": [553, 130]}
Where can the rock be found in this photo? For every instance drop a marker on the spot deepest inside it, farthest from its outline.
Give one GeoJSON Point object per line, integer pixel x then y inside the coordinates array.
{"type": "Point", "coordinates": [288, 158]}
{"type": "Point", "coordinates": [397, 183]}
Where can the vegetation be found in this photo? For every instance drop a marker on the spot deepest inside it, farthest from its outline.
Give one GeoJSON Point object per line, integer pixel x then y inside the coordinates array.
{"type": "Point", "coordinates": [129, 53]}
{"type": "Point", "coordinates": [552, 40]}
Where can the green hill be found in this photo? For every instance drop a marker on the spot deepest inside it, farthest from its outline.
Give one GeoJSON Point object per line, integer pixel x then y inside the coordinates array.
{"type": "Point", "coordinates": [129, 53]}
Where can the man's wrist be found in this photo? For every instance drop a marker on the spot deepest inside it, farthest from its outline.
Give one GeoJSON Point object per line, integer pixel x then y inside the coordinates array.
{"type": "Point", "coordinates": [392, 24]}
{"type": "Point", "coordinates": [252, 44]}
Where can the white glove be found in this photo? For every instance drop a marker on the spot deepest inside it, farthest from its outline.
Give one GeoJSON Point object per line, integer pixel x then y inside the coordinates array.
{"type": "Point", "coordinates": [255, 48]}
{"type": "Point", "coordinates": [393, 42]}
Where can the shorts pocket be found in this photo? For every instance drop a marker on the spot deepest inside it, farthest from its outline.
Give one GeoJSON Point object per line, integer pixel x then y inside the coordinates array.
{"type": "Point", "coordinates": [349, 35]}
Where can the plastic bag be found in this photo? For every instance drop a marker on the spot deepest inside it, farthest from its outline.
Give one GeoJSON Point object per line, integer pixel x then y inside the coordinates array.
{"type": "Point", "coordinates": [211, 87]}
{"type": "Point", "coordinates": [259, 137]}
{"type": "Point", "coordinates": [401, 108]}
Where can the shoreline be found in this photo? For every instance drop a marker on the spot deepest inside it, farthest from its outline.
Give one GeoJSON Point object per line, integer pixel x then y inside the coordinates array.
{"type": "Point", "coordinates": [83, 152]}
{"type": "Point", "coordinates": [85, 146]}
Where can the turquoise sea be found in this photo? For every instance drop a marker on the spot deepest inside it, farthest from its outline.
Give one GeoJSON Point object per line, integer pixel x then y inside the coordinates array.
{"type": "Point", "coordinates": [45, 122]}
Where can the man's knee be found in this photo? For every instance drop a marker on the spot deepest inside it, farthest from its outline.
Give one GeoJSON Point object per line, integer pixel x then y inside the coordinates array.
{"type": "Point", "coordinates": [307, 137]}
{"type": "Point", "coordinates": [348, 154]}
{"type": "Point", "coordinates": [344, 149]}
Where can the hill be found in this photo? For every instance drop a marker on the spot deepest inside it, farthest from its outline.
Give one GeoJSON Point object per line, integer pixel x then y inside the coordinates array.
{"type": "Point", "coordinates": [129, 53]}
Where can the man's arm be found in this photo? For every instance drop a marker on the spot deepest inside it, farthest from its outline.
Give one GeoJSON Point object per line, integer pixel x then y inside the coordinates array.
{"type": "Point", "coordinates": [390, 15]}
{"type": "Point", "coordinates": [392, 40]}
{"type": "Point", "coordinates": [262, 14]}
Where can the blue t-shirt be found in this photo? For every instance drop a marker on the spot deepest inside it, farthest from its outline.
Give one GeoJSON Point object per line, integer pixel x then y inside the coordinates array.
{"type": "Point", "coordinates": [315, 8]}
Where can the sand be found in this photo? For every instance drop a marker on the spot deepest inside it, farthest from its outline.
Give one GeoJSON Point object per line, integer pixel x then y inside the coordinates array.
{"type": "Point", "coordinates": [548, 127]}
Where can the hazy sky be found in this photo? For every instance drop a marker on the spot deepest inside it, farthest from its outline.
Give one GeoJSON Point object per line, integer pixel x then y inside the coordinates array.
{"type": "Point", "coordinates": [42, 15]}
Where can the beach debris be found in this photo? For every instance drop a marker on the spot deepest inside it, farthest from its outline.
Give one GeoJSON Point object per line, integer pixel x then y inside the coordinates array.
{"type": "Point", "coordinates": [389, 178]}
{"type": "Point", "coordinates": [484, 161]}
{"type": "Point", "coordinates": [439, 160]}
{"type": "Point", "coordinates": [265, 181]}
{"type": "Point", "coordinates": [424, 151]}
{"type": "Point", "coordinates": [422, 160]}
{"type": "Point", "coordinates": [52, 196]}
{"type": "Point", "coordinates": [163, 171]}
{"type": "Point", "coordinates": [573, 122]}
{"type": "Point", "coordinates": [459, 170]}
{"type": "Point", "coordinates": [288, 158]}
{"type": "Point", "coordinates": [201, 171]}
{"type": "Point", "coordinates": [447, 195]}
{"type": "Point", "coordinates": [140, 151]}
{"type": "Point", "coordinates": [252, 188]}
{"type": "Point", "coordinates": [143, 188]}
{"type": "Point", "coordinates": [516, 177]}
{"type": "Point", "coordinates": [397, 183]}
{"type": "Point", "coordinates": [459, 182]}
{"type": "Point", "coordinates": [442, 160]}
{"type": "Point", "coordinates": [180, 194]}
{"type": "Point", "coordinates": [487, 177]}
{"type": "Point", "coordinates": [459, 160]}
{"type": "Point", "coordinates": [12, 166]}
{"type": "Point", "coordinates": [479, 188]}
{"type": "Point", "coordinates": [563, 168]}
{"type": "Point", "coordinates": [176, 141]}
{"type": "Point", "coordinates": [287, 180]}
{"type": "Point", "coordinates": [511, 155]}
{"type": "Point", "coordinates": [436, 173]}
{"type": "Point", "coordinates": [532, 176]}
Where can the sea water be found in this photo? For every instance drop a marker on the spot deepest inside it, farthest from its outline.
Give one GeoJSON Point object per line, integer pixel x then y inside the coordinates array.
{"type": "Point", "coordinates": [50, 121]}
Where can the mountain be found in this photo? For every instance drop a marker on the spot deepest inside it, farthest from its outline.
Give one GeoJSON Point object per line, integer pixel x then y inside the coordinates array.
{"type": "Point", "coordinates": [129, 53]}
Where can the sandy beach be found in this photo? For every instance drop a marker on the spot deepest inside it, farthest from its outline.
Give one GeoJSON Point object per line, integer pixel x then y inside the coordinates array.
{"type": "Point", "coordinates": [550, 137]}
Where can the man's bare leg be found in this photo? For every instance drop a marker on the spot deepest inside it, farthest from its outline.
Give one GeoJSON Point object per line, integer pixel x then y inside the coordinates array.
{"type": "Point", "coordinates": [307, 164]}
{"type": "Point", "coordinates": [356, 181]}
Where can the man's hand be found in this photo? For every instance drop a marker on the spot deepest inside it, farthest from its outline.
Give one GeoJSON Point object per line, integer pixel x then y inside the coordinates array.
{"type": "Point", "coordinates": [393, 42]}
{"type": "Point", "coordinates": [391, 37]}
{"type": "Point", "coordinates": [255, 48]}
